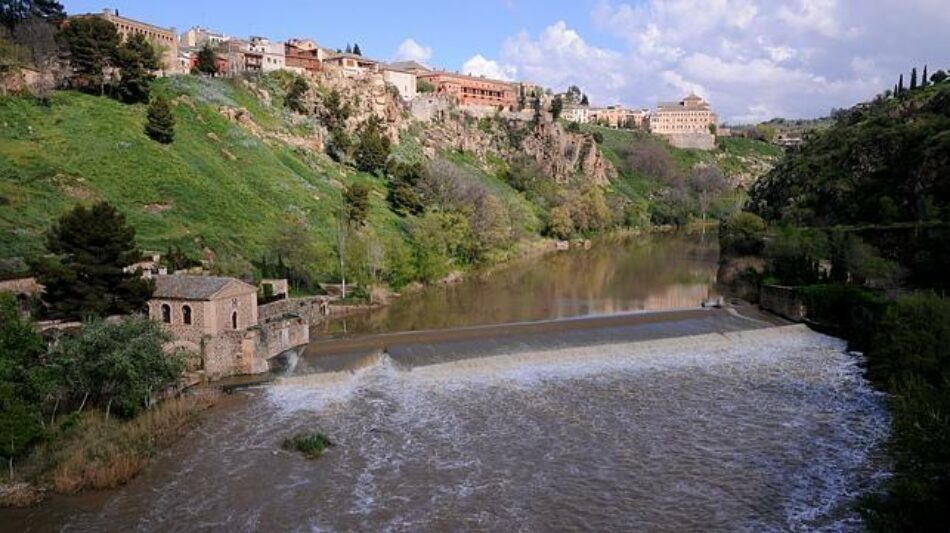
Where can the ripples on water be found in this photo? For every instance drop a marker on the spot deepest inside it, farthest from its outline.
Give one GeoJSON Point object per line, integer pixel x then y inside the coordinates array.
{"type": "Point", "coordinates": [762, 430]}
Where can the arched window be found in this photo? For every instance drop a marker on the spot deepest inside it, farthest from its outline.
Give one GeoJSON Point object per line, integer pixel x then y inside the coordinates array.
{"type": "Point", "coordinates": [234, 320]}
{"type": "Point", "coordinates": [186, 314]}
{"type": "Point", "coordinates": [166, 314]}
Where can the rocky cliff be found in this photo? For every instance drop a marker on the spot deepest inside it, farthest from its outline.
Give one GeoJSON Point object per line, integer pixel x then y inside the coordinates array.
{"type": "Point", "coordinates": [444, 126]}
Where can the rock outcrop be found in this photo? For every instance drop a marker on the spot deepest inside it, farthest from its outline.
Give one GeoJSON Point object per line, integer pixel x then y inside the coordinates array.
{"type": "Point", "coordinates": [441, 125]}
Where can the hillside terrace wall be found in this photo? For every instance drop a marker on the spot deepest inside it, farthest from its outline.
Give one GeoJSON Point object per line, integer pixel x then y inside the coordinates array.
{"type": "Point", "coordinates": [697, 141]}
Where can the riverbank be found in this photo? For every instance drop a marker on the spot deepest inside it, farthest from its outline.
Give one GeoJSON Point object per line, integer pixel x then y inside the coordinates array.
{"type": "Point", "coordinates": [90, 451]}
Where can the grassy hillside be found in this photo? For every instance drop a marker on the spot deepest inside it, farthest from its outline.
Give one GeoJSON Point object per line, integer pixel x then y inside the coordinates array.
{"type": "Point", "coordinates": [221, 186]}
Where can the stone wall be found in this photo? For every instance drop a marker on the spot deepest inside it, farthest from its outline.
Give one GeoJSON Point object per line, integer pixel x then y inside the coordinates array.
{"type": "Point", "coordinates": [697, 141]}
{"type": "Point", "coordinates": [782, 301]}
{"type": "Point", "coordinates": [312, 310]}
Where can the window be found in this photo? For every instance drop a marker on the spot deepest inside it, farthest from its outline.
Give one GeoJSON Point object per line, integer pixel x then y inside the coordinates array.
{"type": "Point", "coordinates": [166, 314]}
{"type": "Point", "coordinates": [186, 314]}
{"type": "Point", "coordinates": [234, 320]}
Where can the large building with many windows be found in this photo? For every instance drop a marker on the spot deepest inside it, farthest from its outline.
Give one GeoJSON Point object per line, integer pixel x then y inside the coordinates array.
{"type": "Point", "coordinates": [690, 115]}
{"type": "Point", "coordinates": [473, 91]}
{"type": "Point", "coordinates": [165, 40]}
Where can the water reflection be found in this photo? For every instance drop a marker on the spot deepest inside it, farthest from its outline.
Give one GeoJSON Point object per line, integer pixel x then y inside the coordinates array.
{"type": "Point", "coordinates": [636, 274]}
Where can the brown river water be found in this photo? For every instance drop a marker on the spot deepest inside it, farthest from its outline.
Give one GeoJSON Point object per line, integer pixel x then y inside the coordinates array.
{"type": "Point", "coordinates": [701, 420]}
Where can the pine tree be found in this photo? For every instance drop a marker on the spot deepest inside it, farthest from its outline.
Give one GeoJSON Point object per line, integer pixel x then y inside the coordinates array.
{"type": "Point", "coordinates": [207, 61]}
{"type": "Point", "coordinates": [356, 49]}
{"type": "Point", "coordinates": [137, 60]}
{"type": "Point", "coordinates": [92, 247]}
{"type": "Point", "coordinates": [161, 122]}
{"type": "Point", "coordinates": [93, 46]}
{"type": "Point", "coordinates": [924, 80]}
{"type": "Point", "coordinates": [913, 78]}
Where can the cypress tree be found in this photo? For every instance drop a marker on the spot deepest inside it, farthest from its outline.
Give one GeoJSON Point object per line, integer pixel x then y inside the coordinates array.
{"type": "Point", "coordinates": [356, 49]}
{"type": "Point", "coordinates": [349, 49]}
{"type": "Point", "coordinates": [923, 79]}
{"type": "Point", "coordinates": [161, 122]}
{"type": "Point", "coordinates": [900, 85]}
{"type": "Point", "coordinates": [913, 78]}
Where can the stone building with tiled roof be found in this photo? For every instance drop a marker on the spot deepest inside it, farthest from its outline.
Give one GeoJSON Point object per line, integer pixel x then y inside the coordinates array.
{"type": "Point", "coordinates": [207, 304]}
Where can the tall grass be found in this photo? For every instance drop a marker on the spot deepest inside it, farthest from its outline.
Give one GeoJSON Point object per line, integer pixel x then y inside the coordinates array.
{"type": "Point", "coordinates": [95, 452]}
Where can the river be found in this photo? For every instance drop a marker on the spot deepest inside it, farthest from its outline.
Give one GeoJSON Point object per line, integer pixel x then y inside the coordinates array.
{"type": "Point", "coordinates": [694, 421]}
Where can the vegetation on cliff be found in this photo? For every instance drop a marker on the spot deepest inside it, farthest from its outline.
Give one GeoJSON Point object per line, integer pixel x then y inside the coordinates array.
{"type": "Point", "coordinates": [859, 213]}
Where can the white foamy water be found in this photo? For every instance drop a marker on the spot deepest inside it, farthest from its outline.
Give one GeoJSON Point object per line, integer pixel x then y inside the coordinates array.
{"type": "Point", "coordinates": [767, 430]}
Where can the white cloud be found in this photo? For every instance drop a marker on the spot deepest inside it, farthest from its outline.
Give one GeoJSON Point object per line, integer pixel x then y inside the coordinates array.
{"type": "Point", "coordinates": [410, 50]}
{"type": "Point", "coordinates": [751, 59]}
{"type": "Point", "coordinates": [478, 65]}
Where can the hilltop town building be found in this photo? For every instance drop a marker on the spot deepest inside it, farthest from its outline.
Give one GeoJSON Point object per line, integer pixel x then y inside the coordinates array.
{"type": "Point", "coordinates": [352, 64]}
{"type": "Point", "coordinates": [304, 55]}
{"type": "Point", "coordinates": [413, 67]}
{"type": "Point", "coordinates": [272, 54]}
{"type": "Point", "coordinates": [579, 114]}
{"type": "Point", "coordinates": [688, 123]}
{"type": "Point", "coordinates": [165, 40]}
{"type": "Point", "coordinates": [472, 91]}
{"type": "Point", "coordinates": [198, 37]}
{"type": "Point", "coordinates": [689, 115]}
{"type": "Point", "coordinates": [403, 80]}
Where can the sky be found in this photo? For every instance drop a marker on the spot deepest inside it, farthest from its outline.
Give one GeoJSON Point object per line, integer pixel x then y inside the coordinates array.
{"type": "Point", "coordinates": [753, 60]}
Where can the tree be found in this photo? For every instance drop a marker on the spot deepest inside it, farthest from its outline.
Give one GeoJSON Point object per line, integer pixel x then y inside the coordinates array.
{"type": "Point", "coordinates": [161, 122]}
{"type": "Point", "coordinates": [349, 49]}
{"type": "Point", "coordinates": [924, 80]}
{"type": "Point", "coordinates": [92, 247]}
{"type": "Point", "coordinates": [425, 86]}
{"type": "Point", "coordinates": [913, 78]}
{"type": "Point", "coordinates": [373, 147]}
{"type": "Point", "coordinates": [403, 180]}
{"type": "Point", "coordinates": [356, 49]}
{"type": "Point", "coordinates": [585, 100]}
{"type": "Point", "coordinates": [136, 59]}
{"type": "Point", "coordinates": [13, 12]}
{"type": "Point", "coordinates": [207, 61]}
{"type": "Point", "coordinates": [93, 45]}
{"type": "Point", "coordinates": [294, 98]}
{"type": "Point", "coordinates": [900, 85]}
{"type": "Point", "coordinates": [120, 366]}
{"type": "Point", "coordinates": [20, 351]}
{"type": "Point", "coordinates": [557, 107]}
{"type": "Point", "coordinates": [707, 182]}
{"type": "Point", "coordinates": [573, 94]}
{"type": "Point", "coordinates": [356, 204]}
{"type": "Point", "coordinates": [938, 77]}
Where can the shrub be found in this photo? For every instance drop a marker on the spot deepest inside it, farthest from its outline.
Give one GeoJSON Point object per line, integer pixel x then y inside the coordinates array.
{"type": "Point", "coordinates": [312, 445]}
{"type": "Point", "coordinates": [912, 340]}
{"type": "Point", "coordinates": [743, 234]}
{"type": "Point", "coordinates": [161, 123]}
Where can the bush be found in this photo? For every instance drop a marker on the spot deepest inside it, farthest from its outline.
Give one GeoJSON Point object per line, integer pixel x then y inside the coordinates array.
{"type": "Point", "coordinates": [913, 340]}
{"type": "Point", "coordinates": [312, 445]}
{"type": "Point", "coordinates": [743, 234]}
{"type": "Point", "coordinates": [161, 123]}
{"type": "Point", "coordinates": [120, 366]}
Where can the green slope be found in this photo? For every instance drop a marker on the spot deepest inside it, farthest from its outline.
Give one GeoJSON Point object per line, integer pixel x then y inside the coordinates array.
{"type": "Point", "coordinates": [217, 185]}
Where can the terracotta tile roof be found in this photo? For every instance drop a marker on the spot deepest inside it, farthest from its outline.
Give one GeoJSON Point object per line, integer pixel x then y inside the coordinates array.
{"type": "Point", "coordinates": [193, 287]}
